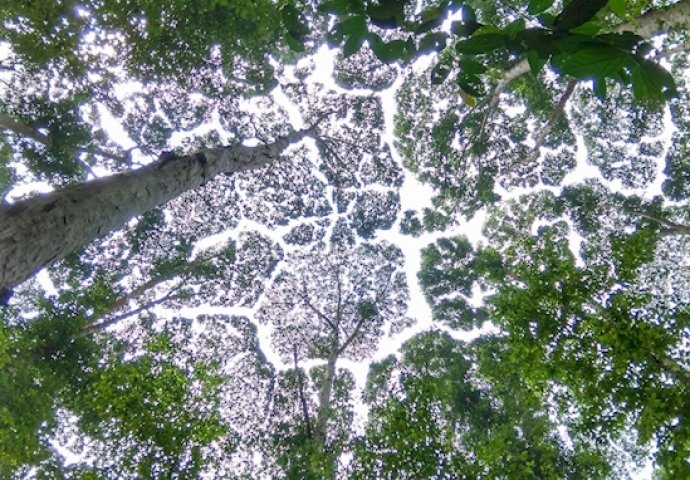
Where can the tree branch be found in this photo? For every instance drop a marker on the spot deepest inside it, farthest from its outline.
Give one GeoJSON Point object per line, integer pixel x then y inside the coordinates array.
{"type": "Point", "coordinates": [98, 325]}
{"type": "Point", "coordinates": [671, 228]}
{"type": "Point", "coordinates": [318, 313]}
{"type": "Point", "coordinates": [9, 123]}
{"type": "Point", "coordinates": [548, 127]}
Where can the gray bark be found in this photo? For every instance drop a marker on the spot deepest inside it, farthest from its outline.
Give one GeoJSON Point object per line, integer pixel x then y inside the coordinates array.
{"type": "Point", "coordinates": [323, 414]}
{"type": "Point", "coordinates": [41, 230]}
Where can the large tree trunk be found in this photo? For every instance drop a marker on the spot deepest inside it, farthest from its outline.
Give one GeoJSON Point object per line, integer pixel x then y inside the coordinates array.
{"type": "Point", "coordinates": [41, 230]}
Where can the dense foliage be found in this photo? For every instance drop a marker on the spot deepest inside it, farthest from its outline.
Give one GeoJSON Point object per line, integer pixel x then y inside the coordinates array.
{"type": "Point", "coordinates": [337, 314]}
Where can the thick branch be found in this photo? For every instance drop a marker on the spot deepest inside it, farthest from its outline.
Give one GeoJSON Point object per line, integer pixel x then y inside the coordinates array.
{"type": "Point", "coordinates": [9, 123]}
{"type": "Point", "coordinates": [670, 228]}
{"type": "Point", "coordinates": [351, 338]}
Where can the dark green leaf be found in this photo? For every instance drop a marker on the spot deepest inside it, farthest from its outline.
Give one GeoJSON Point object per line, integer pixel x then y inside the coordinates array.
{"type": "Point", "coordinates": [387, 15]}
{"type": "Point", "coordinates": [467, 65]}
{"type": "Point", "coordinates": [292, 22]}
{"type": "Point", "coordinates": [588, 28]}
{"type": "Point", "coordinates": [353, 25]}
{"type": "Point", "coordinates": [433, 42]}
{"type": "Point", "coordinates": [536, 61]}
{"type": "Point", "coordinates": [439, 73]}
{"type": "Point", "coordinates": [430, 19]}
{"type": "Point", "coordinates": [591, 63]}
{"type": "Point", "coordinates": [479, 44]}
{"type": "Point", "coordinates": [294, 43]}
{"type": "Point", "coordinates": [650, 81]}
{"type": "Point", "coordinates": [463, 29]}
{"type": "Point", "coordinates": [468, 15]}
{"type": "Point", "coordinates": [353, 44]}
{"type": "Point", "coordinates": [600, 89]}
{"type": "Point", "coordinates": [577, 12]}
{"type": "Point", "coordinates": [338, 7]}
{"type": "Point", "coordinates": [471, 84]}
{"type": "Point", "coordinates": [391, 51]}
{"type": "Point", "coordinates": [575, 42]}
{"type": "Point", "coordinates": [538, 6]}
{"type": "Point", "coordinates": [514, 27]}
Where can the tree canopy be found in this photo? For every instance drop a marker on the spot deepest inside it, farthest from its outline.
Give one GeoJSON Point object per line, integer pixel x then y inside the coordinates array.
{"type": "Point", "coordinates": [344, 239]}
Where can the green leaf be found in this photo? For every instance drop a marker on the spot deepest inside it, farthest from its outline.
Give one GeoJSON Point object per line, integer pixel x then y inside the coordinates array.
{"type": "Point", "coordinates": [588, 28]}
{"type": "Point", "coordinates": [536, 61]}
{"type": "Point", "coordinates": [574, 43]}
{"type": "Point", "coordinates": [340, 7]}
{"type": "Point", "coordinates": [619, 7]}
{"type": "Point", "coordinates": [356, 28]}
{"type": "Point", "coordinates": [468, 14]}
{"type": "Point", "coordinates": [547, 20]}
{"type": "Point", "coordinates": [353, 44]}
{"type": "Point", "coordinates": [391, 51]}
{"type": "Point", "coordinates": [462, 29]}
{"type": "Point", "coordinates": [387, 14]}
{"type": "Point", "coordinates": [479, 44]}
{"type": "Point", "coordinates": [294, 44]}
{"type": "Point", "coordinates": [439, 73]}
{"type": "Point", "coordinates": [650, 81]}
{"type": "Point", "coordinates": [431, 18]}
{"type": "Point", "coordinates": [536, 7]}
{"type": "Point", "coordinates": [292, 22]}
{"type": "Point", "coordinates": [514, 27]}
{"type": "Point", "coordinates": [467, 65]}
{"type": "Point", "coordinates": [353, 25]}
{"type": "Point", "coordinates": [471, 84]}
{"type": "Point", "coordinates": [433, 42]}
{"type": "Point", "coordinates": [592, 62]}
{"type": "Point", "coordinates": [600, 89]}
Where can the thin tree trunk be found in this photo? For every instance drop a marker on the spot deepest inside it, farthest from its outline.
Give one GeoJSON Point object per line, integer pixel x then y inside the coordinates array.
{"type": "Point", "coordinates": [300, 386]}
{"type": "Point", "coordinates": [323, 414]}
{"type": "Point", "coordinates": [41, 230]}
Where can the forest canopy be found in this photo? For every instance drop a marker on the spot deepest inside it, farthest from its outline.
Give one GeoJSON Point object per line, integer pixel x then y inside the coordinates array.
{"type": "Point", "coordinates": [330, 239]}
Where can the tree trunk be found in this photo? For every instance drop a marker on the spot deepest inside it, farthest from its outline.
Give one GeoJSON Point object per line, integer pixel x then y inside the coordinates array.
{"type": "Point", "coordinates": [325, 402]}
{"type": "Point", "coordinates": [41, 230]}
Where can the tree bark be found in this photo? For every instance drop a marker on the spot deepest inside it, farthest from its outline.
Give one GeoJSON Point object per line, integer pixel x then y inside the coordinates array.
{"type": "Point", "coordinates": [323, 414]}
{"type": "Point", "coordinates": [41, 230]}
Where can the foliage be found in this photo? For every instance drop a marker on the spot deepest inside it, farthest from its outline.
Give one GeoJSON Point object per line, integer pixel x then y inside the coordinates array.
{"type": "Point", "coordinates": [597, 335]}
{"type": "Point", "coordinates": [435, 415]}
{"type": "Point", "coordinates": [574, 41]}
{"type": "Point", "coordinates": [226, 333]}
